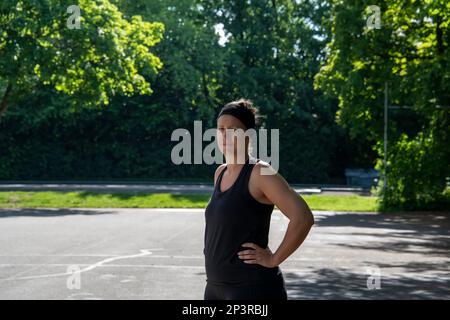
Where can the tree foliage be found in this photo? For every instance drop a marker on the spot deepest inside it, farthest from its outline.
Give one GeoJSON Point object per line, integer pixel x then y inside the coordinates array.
{"type": "Point", "coordinates": [411, 53]}
{"type": "Point", "coordinates": [108, 55]}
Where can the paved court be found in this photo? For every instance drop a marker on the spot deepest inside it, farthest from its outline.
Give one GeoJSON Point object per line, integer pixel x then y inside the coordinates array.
{"type": "Point", "coordinates": [157, 254]}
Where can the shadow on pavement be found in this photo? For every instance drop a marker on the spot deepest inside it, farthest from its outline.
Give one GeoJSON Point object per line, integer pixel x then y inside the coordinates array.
{"type": "Point", "coordinates": [426, 234]}
{"type": "Point", "coordinates": [142, 195]}
{"type": "Point", "coordinates": [5, 213]}
{"type": "Point", "coordinates": [328, 283]}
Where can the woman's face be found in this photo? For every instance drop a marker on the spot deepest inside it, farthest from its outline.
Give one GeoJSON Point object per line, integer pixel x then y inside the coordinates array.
{"type": "Point", "coordinates": [229, 144]}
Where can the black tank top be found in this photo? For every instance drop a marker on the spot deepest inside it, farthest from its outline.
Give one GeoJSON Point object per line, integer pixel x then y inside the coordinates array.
{"type": "Point", "coordinates": [234, 217]}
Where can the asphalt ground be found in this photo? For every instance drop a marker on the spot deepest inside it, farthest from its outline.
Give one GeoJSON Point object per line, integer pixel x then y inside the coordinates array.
{"type": "Point", "coordinates": [158, 254]}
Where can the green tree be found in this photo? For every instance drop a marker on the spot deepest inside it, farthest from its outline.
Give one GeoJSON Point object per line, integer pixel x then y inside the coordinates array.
{"type": "Point", "coordinates": [187, 86]}
{"type": "Point", "coordinates": [130, 138]}
{"type": "Point", "coordinates": [107, 55]}
{"type": "Point", "coordinates": [186, 89]}
{"type": "Point", "coordinates": [411, 52]}
{"type": "Point", "coordinates": [273, 51]}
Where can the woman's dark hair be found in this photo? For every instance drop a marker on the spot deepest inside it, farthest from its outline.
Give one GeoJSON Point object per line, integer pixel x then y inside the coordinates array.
{"type": "Point", "coordinates": [242, 109]}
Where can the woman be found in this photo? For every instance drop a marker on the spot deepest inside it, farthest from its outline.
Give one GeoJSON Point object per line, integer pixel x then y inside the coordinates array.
{"type": "Point", "coordinates": [238, 263]}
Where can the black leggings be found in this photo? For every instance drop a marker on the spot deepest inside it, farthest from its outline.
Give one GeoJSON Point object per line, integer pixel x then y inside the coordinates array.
{"type": "Point", "coordinates": [267, 291]}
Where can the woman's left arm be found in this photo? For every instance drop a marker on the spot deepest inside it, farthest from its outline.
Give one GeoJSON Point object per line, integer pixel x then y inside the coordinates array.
{"type": "Point", "coordinates": [278, 191]}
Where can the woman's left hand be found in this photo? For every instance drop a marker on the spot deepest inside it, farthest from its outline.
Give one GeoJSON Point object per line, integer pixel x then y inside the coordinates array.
{"type": "Point", "coordinates": [257, 255]}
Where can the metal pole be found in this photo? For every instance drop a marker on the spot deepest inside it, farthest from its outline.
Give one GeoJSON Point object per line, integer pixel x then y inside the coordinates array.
{"type": "Point", "coordinates": [385, 134]}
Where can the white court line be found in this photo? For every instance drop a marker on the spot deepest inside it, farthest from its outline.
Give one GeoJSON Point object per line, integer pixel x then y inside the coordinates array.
{"type": "Point", "coordinates": [58, 255]}
{"type": "Point", "coordinates": [133, 266]}
{"type": "Point", "coordinates": [156, 256]}
{"type": "Point", "coordinates": [393, 276]}
{"type": "Point", "coordinates": [159, 266]}
{"type": "Point", "coordinates": [88, 268]}
{"type": "Point", "coordinates": [85, 264]}
{"type": "Point", "coordinates": [67, 255]}
{"type": "Point", "coordinates": [201, 257]}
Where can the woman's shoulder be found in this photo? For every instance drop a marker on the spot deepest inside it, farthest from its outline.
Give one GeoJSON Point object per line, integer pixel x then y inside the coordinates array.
{"type": "Point", "coordinates": [263, 168]}
{"type": "Point", "coordinates": [266, 182]}
{"type": "Point", "coordinates": [264, 173]}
